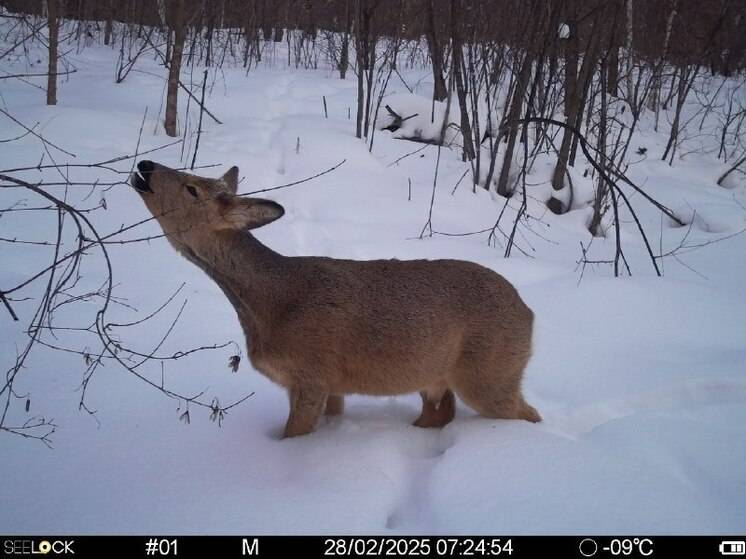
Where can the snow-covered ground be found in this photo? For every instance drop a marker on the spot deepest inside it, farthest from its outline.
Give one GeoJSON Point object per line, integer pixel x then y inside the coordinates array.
{"type": "Point", "coordinates": [641, 380]}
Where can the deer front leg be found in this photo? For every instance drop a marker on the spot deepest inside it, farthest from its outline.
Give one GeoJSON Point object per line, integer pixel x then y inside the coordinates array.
{"type": "Point", "coordinates": [335, 404]}
{"type": "Point", "coordinates": [306, 405]}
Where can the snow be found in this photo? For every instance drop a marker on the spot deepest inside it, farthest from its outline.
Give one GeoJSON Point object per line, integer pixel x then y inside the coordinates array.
{"type": "Point", "coordinates": [422, 117]}
{"type": "Point", "coordinates": [640, 380]}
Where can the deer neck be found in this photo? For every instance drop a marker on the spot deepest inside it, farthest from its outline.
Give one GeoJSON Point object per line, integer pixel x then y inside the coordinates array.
{"type": "Point", "coordinates": [249, 273]}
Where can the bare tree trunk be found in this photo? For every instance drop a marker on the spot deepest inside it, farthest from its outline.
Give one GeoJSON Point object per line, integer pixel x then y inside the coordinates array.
{"type": "Point", "coordinates": [585, 84]}
{"type": "Point", "coordinates": [361, 39]}
{"type": "Point", "coordinates": [360, 104]}
{"type": "Point", "coordinates": [370, 68]}
{"type": "Point", "coordinates": [628, 45]}
{"type": "Point", "coordinates": [54, 32]}
{"type": "Point", "coordinates": [669, 26]}
{"type": "Point", "coordinates": [544, 98]}
{"type": "Point", "coordinates": [612, 71]}
{"type": "Point", "coordinates": [575, 112]}
{"type": "Point", "coordinates": [167, 31]}
{"type": "Point", "coordinates": [280, 25]}
{"type": "Point", "coordinates": [365, 47]}
{"type": "Point", "coordinates": [440, 91]}
{"type": "Point", "coordinates": [109, 23]}
{"type": "Point", "coordinates": [457, 59]}
{"type": "Point", "coordinates": [686, 81]}
{"type": "Point", "coordinates": [603, 186]}
{"type": "Point", "coordinates": [571, 65]}
{"type": "Point", "coordinates": [162, 15]}
{"type": "Point", "coordinates": [655, 94]}
{"type": "Point", "coordinates": [251, 34]}
{"type": "Point", "coordinates": [266, 23]}
{"type": "Point", "coordinates": [209, 33]}
{"type": "Point", "coordinates": [344, 56]}
{"type": "Point", "coordinates": [516, 104]}
{"type": "Point", "coordinates": [309, 23]}
{"type": "Point", "coordinates": [542, 30]}
{"type": "Point", "coordinates": [177, 22]}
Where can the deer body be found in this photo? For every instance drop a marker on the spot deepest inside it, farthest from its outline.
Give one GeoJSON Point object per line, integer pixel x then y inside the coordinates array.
{"type": "Point", "coordinates": [323, 327]}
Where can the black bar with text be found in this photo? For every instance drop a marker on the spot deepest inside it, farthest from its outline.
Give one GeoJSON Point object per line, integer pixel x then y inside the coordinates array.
{"type": "Point", "coordinates": [702, 547]}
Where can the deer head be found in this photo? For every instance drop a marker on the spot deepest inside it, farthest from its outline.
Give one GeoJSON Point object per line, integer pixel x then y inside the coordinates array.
{"type": "Point", "coordinates": [189, 208]}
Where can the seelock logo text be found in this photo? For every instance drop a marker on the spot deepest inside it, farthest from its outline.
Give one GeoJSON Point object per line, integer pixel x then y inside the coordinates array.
{"type": "Point", "coordinates": [21, 546]}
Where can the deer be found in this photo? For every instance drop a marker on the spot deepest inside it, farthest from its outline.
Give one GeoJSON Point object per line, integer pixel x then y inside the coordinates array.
{"type": "Point", "coordinates": [323, 328]}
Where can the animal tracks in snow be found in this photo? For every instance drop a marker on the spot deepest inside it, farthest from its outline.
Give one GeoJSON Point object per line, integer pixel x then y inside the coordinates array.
{"type": "Point", "coordinates": [276, 96]}
{"type": "Point", "coordinates": [579, 421]}
{"type": "Point", "coordinates": [425, 455]}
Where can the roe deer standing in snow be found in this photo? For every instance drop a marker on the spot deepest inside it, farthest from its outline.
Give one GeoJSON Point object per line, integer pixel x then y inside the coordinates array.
{"type": "Point", "coordinates": [323, 328]}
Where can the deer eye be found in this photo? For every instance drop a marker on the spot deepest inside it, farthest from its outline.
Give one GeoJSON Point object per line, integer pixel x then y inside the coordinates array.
{"type": "Point", "coordinates": [191, 190]}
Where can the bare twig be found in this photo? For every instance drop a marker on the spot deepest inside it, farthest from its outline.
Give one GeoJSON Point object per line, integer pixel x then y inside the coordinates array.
{"type": "Point", "coordinates": [294, 183]}
{"type": "Point", "coordinates": [199, 126]}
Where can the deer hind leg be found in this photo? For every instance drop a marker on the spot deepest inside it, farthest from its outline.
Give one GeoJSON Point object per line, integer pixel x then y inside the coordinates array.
{"type": "Point", "coordinates": [335, 404]}
{"type": "Point", "coordinates": [513, 408]}
{"type": "Point", "coordinates": [494, 400]}
{"type": "Point", "coordinates": [488, 380]}
{"type": "Point", "coordinates": [438, 406]}
{"type": "Point", "coordinates": [306, 406]}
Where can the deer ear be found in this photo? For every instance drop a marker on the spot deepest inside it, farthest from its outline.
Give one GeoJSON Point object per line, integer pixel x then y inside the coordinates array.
{"type": "Point", "coordinates": [248, 213]}
{"type": "Point", "coordinates": [230, 178]}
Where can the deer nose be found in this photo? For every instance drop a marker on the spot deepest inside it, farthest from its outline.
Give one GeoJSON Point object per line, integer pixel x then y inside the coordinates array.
{"type": "Point", "coordinates": [140, 181]}
{"type": "Point", "coordinates": [145, 167]}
